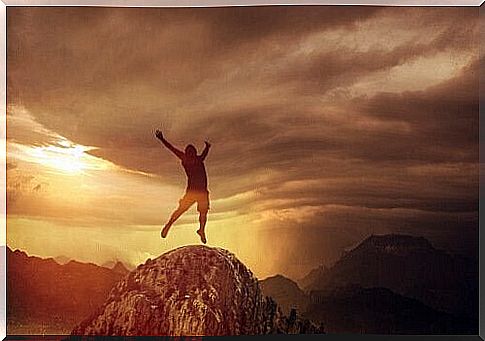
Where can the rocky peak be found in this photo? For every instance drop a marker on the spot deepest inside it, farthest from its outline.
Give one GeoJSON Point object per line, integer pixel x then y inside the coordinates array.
{"type": "Point", "coordinates": [192, 290]}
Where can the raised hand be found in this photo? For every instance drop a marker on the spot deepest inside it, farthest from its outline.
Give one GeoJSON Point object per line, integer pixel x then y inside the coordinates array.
{"type": "Point", "coordinates": [206, 150]}
{"type": "Point", "coordinates": [159, 134]}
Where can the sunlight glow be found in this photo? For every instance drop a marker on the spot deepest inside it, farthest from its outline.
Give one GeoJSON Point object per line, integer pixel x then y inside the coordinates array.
{"type": "Point", "coordinates": [67, 159]}
{"type": "Point", "coordinates": [64, 156]}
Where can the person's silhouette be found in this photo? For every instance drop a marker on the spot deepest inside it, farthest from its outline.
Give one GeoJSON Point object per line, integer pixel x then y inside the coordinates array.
{"type": "Point", "coordinates": [196, 184]}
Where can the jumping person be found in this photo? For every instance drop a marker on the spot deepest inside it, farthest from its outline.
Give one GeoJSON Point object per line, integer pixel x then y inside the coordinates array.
{"type": "Point", "coordinates": [196, 185]}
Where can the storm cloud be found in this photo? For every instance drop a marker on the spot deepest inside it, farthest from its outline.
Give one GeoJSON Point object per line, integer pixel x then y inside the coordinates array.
{"type": "Point", "coordinates": [339, 121]}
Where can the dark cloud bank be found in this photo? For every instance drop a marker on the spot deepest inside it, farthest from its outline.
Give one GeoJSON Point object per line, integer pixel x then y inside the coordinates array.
{"type": "Point", "coordinates": [398, 162]}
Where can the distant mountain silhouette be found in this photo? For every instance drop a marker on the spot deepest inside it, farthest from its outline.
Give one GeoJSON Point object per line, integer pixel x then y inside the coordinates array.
{"type": "Point", "coordinates": [62, 259]}
{"type": "Point", "coordinates": [116, 266]}
{"type": "Point", "coordinates": [386, 284]}
{"type": "Point", "coordinates": [354, 309]}
{"type": "Point", "coordinates": [285, 292]}
{"type": "Point", "coordinates": [192, 290]}
{"type": "Point", "coordinates": [409, 266]}
{"type": "Point", "coordinates": [312, 277]}
{"type": "Point", "coordinates": [350, 296]}
{"type": "Point", "coordinates": [119, 266]}
{"type": "Point", "coordinates": [44, 297]}
{"type": "Point", "coordinates": [380, 311]}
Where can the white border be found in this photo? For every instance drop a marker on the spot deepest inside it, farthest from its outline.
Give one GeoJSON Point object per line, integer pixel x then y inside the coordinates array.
{"type": "Point", "coordinates": [225, 3]}
{"type": "Point", "coordinates": [143, 3]}
{"type": "Point", "coordinates": [3, 200]}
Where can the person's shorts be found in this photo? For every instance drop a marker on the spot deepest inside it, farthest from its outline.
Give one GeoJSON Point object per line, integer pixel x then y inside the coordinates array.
{"type": "Point", "coordinates": [191, 197]}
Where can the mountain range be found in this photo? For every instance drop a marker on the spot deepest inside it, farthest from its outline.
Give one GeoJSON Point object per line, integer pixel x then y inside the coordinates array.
{"type": "Point", "coordinates": [409, 266]}
{"type": "Point", "coordinates": [45, 297]}
{"type": "Point", "coordinates": [394, 284]}
{"type": "Point", "coordinates": [389, 284]}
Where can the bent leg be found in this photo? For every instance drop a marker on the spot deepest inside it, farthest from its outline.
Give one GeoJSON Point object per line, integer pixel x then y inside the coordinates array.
{"type": "Point", "coordinates": [184, 205]}
{"type": "Point", "coordinates": [176, 214]}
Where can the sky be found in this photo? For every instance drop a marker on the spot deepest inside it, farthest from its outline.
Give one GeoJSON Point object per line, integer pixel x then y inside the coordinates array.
{"type": "Point", "coordinates": [327, 124]}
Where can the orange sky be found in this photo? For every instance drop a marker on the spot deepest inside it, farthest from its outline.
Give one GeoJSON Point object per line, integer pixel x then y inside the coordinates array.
{"type": "Point", "coordinates": [327, 124]}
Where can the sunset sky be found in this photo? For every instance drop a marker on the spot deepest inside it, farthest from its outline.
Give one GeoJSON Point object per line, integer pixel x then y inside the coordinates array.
{"type": "Point", "coordinates": [327, 124]}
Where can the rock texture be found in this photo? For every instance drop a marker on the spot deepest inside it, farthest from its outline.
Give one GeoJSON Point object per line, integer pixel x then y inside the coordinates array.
{"type": "Point", "coordinates": [192, 290]}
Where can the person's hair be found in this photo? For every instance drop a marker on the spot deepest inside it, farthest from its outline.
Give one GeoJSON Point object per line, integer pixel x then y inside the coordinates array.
{"type": "Point", "coordinates": [190, 150]}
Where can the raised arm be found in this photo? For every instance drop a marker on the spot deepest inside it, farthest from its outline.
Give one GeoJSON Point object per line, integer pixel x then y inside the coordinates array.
{"type": "Point", "coordinates": [167, 144]}
{"type": "Point", "coordinates": [205, 151]}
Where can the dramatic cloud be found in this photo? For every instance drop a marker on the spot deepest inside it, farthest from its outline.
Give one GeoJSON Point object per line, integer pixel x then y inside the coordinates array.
{"type": "Point", "coordinates": [327, 124]}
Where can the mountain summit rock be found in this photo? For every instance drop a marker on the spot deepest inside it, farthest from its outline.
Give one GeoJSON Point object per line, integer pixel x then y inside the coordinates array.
{"type": "Point", "coordinates": [192, 290]}
{"type": "Point", "coordinates": [409, 266]}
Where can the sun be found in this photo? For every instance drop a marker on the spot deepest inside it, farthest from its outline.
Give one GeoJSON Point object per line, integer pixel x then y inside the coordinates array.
{"type": "Point", "coordinates": [66, 157]}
